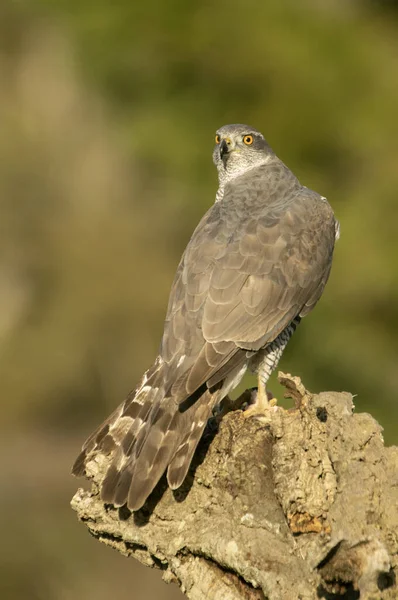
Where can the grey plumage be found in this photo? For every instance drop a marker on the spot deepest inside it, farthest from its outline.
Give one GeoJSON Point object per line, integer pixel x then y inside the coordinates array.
{"type": "Point", "coordinates": [257, 262]}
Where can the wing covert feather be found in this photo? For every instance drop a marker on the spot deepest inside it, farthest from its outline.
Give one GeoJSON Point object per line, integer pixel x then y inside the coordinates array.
{"type": "Point", "coordinates": [246, 273]}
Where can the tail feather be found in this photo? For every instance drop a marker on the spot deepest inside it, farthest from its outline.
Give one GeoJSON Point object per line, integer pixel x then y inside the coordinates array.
{"type": "Point", "coordinates": [110, 434]}
{"type": "Point", "coordinates": [132, 477]}
{"type": "Point", "coordinates": [178, 467]}
{"type": "Point", "coordinates": [154, 457]}
{"type": "Point", "coordinates": [134, 449]}
{"type": "Point", "coordinates": [99, 439]}
{"type": "Point", "coordinates": [147, 434]}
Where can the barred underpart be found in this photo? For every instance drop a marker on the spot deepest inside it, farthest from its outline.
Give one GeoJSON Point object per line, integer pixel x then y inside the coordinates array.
{"type": "Point", "coordinates": [266, 361]}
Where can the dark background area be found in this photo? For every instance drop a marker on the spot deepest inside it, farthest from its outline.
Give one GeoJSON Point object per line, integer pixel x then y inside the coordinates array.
{"type": "Point", "coordinates": [107, 121]}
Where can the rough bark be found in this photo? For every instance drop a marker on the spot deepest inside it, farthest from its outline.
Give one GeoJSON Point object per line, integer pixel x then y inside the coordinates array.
{"type": "Point", "coordinates": [301, 505]}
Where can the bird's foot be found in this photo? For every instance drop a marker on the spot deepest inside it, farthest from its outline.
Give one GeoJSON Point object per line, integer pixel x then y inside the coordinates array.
{"type": "Point", "coordinates": [261, 403]}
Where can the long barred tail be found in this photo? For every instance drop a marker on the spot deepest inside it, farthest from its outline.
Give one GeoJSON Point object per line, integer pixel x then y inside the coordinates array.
{"type": "Point", "coordinates": [146, 434]}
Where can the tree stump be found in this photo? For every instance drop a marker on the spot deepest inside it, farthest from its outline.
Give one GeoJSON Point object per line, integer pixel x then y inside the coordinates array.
{"type": "Point", "coordinates": [302, 505]}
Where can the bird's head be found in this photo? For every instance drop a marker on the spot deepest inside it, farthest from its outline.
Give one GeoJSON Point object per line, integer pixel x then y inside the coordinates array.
{"type": "Point", "coordinates": [239, 148]}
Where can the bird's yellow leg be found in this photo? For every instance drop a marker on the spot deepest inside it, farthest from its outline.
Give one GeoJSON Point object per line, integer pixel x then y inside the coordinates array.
{"type": "Point", "coordinates": [262, 403]}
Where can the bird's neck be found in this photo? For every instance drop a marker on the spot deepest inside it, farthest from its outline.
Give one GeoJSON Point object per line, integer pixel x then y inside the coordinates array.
{"type": "Point", "coordinates": [225, 176]}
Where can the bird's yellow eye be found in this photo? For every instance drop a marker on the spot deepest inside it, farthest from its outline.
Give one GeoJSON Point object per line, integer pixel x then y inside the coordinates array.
{"type": "Point", "coordinates": [248, 140]}
{"type": "Point", "coordinates": [217, 139]}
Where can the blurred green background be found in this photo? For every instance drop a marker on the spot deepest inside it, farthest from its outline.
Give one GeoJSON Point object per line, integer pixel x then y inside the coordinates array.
{"type": "Point", "coordinates": [107, 120]}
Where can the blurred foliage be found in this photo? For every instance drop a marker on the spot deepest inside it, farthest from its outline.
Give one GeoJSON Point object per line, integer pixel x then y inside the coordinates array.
{"type": "Point", "coordinates": [107, 117]}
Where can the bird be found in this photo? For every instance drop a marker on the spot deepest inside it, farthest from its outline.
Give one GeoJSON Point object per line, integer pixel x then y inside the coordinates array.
{"type": "Point", "coordinates": [256, 264]}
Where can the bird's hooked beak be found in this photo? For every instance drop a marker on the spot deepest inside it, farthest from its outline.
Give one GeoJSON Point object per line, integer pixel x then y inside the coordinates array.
{"type": "Point", "coordinates": [225, 148]}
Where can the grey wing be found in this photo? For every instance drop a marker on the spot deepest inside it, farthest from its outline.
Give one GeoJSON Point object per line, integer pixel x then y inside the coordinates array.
{"type": "Point", "coordinates": [286, 266]}
{"type": "Point", "coordinates": [240, 284]}
{"type": "Point", "coordinates": [190, 358]}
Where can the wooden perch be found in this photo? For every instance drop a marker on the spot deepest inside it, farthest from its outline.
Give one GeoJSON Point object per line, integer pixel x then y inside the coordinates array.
{"type": "Point", "coordinates": [303, 505]}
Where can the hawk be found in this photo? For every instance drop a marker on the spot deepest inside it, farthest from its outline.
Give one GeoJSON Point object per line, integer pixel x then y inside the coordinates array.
{"type": "Point", "coordinates": [255, 265]}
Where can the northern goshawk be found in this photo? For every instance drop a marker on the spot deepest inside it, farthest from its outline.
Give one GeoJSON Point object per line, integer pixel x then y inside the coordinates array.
{"type": "Point", "coordinates": [255, 265]}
